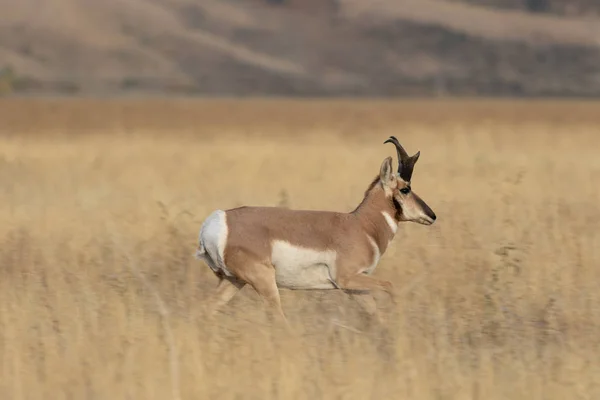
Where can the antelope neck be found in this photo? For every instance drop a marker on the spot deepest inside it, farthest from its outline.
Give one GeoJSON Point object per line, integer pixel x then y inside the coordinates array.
{"type": "Point", "coordinates": [377, 216]}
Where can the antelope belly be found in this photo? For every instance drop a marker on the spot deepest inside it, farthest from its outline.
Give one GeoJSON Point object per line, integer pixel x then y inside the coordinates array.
{"type": "Point", "coordinates": [298, 267]}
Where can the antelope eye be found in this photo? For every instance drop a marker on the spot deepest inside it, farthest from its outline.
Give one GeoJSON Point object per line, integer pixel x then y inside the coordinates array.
{"type": "Point", "coordinates": [405, 190]}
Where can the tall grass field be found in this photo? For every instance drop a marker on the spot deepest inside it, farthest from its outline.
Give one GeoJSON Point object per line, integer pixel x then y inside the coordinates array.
{"type": "Point", "coordinates": [102, 200]}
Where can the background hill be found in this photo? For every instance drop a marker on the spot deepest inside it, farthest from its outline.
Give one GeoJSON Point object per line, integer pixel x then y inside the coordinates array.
{"type": "Point", "coordinates": [301, 47]}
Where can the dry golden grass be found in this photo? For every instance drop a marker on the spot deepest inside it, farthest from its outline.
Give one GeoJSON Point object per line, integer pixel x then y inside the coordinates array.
{"type": "Point", "coordinates": [100, 297]}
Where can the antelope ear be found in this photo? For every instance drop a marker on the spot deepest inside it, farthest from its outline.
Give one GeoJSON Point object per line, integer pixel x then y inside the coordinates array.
{"type": "Point", "coordinates": [386, 173]}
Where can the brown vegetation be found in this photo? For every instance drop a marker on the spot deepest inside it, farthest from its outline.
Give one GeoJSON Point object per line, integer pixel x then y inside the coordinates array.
{"type": "Point", "coordinates": [100, 296]}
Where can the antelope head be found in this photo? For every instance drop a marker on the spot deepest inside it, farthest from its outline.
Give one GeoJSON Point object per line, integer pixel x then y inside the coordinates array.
{"type": "Point", "coordinates": [409, 206]}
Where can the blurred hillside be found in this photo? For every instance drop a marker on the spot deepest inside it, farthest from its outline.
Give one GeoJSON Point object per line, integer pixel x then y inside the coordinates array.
{"type": "Point", "coordinates": [301, 47]}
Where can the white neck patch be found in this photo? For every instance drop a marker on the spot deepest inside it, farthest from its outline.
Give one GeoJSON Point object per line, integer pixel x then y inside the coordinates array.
{"type": "Point", "coordinates": [390, 221]}
{"type": "Point", "coordinates": [376, 256]}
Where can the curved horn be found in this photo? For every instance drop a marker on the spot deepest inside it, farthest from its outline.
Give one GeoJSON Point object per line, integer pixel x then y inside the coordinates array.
{"type": "Point", "coordinates": [402, 154]}
{"type": "Point", "coordinates": [406, 164]}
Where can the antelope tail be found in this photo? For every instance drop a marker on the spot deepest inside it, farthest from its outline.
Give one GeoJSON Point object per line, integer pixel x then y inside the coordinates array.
{"type": "Point", "coordinates": [200, 251]}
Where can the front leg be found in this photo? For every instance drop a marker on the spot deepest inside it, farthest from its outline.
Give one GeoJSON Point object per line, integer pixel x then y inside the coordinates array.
{"type": "Point", "coordinates": [365, 282]}
{"type": "Point", "coordinates": [367, 303]}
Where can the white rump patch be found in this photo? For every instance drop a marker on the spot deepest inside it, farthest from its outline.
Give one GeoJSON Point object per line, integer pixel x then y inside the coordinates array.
{"type": "Point", "coordinates": [390, 220]}
{"type": "Point", "coordinates": [303, 268]}
{"type": "Point", "coordinates": [212, 240]}
{"type": "Point", "coordinates": [376, 256]}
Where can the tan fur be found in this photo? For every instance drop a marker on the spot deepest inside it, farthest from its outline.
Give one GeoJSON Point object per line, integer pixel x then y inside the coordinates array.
{"type": "Point", "coordinates": [343, 242]}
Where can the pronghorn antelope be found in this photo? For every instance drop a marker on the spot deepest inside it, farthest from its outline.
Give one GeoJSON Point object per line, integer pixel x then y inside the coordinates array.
{"type": "Point", "coordinates": [272, 247]}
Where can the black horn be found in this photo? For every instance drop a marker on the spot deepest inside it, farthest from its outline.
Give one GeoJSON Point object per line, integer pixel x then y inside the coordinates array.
{"type": "Point", "coordinates": [402, 154]}
{"type": "Point", "coordinates": [406, 163]}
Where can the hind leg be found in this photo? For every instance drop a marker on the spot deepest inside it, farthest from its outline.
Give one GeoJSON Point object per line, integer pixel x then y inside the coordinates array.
{"type": "Point", "coordinates": [262, 278]}
{"type": "Point", "coordinates": [226, 289]}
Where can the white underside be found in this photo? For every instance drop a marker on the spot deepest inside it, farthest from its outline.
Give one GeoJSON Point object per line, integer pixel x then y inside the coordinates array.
{"type": "Point", "coordinates": [302, 268]}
